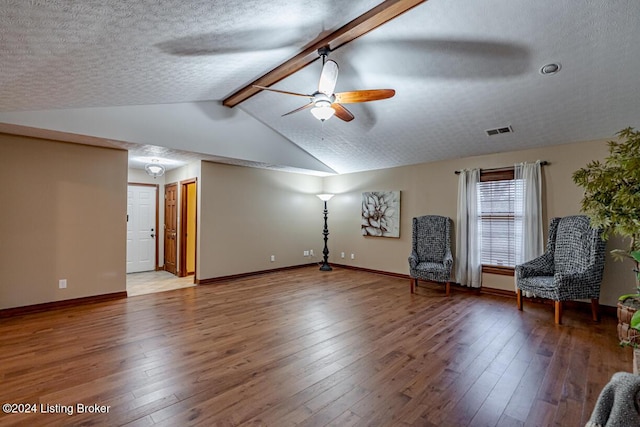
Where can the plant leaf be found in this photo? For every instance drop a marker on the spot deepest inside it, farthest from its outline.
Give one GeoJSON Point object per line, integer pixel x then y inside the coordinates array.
{"type": "Point", "coordinates": [624, 297]}
{"type": "Point", "coordinates": [620, 254]}
{"type": "Point", "coordinates": [612, 191]}
{"type": "Point", "coordinates": [635, 320]}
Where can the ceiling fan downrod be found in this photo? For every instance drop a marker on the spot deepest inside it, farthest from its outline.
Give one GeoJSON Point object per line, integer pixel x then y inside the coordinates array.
{"type": "Point", "coordinates": [323, 52]}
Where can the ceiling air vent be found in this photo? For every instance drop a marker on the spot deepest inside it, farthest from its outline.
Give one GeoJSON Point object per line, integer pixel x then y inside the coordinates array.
{"type": "Point", "coordinates": [498, 131]}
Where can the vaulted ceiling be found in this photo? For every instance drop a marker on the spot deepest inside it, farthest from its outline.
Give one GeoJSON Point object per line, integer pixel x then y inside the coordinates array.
{"type": "Point", "coordinates": [151, 76]}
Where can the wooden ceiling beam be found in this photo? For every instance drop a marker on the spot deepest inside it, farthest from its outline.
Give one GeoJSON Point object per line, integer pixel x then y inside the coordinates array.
{"type": "Point", "coordinates": [379, 15]}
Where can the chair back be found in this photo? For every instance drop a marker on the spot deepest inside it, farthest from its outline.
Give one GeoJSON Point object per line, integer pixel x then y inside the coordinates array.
{"type": "Point", "coordinates": [431, 237]}
{"type": "Point", "coordinates": [577, 246]}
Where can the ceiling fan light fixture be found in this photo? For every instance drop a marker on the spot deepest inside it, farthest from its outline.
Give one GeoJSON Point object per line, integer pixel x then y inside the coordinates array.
{"type": "Point", "coordinates": [322, 112]}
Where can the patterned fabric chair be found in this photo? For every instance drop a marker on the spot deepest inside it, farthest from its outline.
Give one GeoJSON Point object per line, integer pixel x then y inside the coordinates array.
{"type": "Point", "coordinates": [431, 257]}
{"type": "Point", "coordinates": [571, 267]}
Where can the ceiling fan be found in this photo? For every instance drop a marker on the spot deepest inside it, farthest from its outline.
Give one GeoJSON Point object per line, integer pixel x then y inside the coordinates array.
{"type": "Point", "coordinates": [324, 103]}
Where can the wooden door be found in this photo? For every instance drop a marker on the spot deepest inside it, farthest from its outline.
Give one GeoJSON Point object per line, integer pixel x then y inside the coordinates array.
{"type": "Point", "coordinates": [141, 228]}
{"type": "Point", "coordinates": [170, 227]}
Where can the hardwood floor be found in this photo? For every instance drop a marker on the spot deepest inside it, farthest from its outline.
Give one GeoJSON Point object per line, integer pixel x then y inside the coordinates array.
{"type": "Point", "coordinates": [304, 347]}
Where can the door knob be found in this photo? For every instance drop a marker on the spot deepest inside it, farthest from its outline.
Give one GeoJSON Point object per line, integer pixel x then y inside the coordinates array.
{"type": "Point", "coordinates": [153, 235]}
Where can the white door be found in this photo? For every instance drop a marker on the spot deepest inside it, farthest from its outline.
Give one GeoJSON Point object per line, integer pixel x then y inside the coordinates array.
{"type": "Point", "coordinates": [141, 232]}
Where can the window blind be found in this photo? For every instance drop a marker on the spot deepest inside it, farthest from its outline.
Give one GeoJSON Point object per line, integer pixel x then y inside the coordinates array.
{"type": "Point", "coordinates": [498, 222]}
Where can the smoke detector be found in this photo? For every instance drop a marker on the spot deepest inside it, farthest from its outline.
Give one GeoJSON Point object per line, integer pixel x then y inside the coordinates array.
{"type": "Point", "coordinates": [550, 69]}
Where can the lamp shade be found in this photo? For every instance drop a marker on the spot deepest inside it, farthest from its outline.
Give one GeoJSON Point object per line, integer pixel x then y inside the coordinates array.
{"type": "Point", "coordinates": [325, 197]}
{"type": "Point", "coordinates": [322, 113]}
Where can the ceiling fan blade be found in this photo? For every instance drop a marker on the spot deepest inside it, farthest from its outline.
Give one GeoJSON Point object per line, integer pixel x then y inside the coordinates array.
{"type": "Point", "coordinates": [364, 95]}
{"type": "Point", "coordinates": [304, 107]}
{"type": "Point", "coordinates": [341, 112]}
{"type": "Point", "coordinates": [328, 77]}
{"type": "Point", "coordinates": [282, 91]}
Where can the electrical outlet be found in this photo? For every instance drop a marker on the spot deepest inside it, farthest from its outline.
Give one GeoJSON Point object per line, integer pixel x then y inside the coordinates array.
{"type": "Point", "coordinates": [341, 254]}
{"type": "Point", "coordinates": [311, 252]}
{"type": "Point", "coordinates": [305, 253]}
{"type": "Point", "coordinates": [273, 258]}
{"type": "Point", "coordinates": [62, 283]}
{"type": "Point", "coordinates": [353, 256]}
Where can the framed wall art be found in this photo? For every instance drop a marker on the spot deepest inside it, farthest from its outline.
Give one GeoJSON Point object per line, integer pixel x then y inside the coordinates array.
{"type": "Point", "coordinates": [381, 214]}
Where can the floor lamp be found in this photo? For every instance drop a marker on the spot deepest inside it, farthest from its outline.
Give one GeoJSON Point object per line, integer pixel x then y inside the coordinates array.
{"type": "Point", "coordinates": [325, 232]}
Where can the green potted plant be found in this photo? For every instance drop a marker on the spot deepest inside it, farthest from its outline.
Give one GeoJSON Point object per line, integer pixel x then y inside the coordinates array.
{"type": "Point", "coordinates": [612, 201]}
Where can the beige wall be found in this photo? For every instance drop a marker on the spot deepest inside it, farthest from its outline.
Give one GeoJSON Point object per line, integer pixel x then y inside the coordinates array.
{"type": "Point", "coordinates": [140, 176]}
{"type": "Point", "coordinates": [64, 218]}
{"type": "Point", "coordinates": [67, 206]}
{"type": "Point", "coordinates": [431, 188]}
{"type": "Point", "coordinates": [246, 215]}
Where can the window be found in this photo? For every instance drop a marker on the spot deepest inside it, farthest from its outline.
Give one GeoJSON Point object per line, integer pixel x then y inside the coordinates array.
{"type": "Point", "coordinates": [499, 222]}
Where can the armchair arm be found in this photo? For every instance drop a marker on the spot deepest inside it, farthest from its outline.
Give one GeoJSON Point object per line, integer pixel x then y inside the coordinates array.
{"type": "Point", "coordinates": [413, 260]}
{"type": "Point", "coordinates": [448, 260]}
{"type": "Point", "coordinates": [580, 284]}
{"type": "Point", "coordinates": [566, 279]}
{"type": "Point", "coordinates": [540, 266]}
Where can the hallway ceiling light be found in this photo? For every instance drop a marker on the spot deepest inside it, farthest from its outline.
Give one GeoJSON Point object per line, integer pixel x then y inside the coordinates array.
{"type": "Point", "coordinates": [154, 169]}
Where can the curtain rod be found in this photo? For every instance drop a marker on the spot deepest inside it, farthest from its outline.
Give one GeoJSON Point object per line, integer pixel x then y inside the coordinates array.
{"type": "Point", "coordinates": [542, 163]}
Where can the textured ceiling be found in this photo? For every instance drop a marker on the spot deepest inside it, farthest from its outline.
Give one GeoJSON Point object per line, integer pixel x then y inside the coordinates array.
{"type": "Point", "coordinates": [152, 73]}
{"type": "Point", "coordinates": [68, 54]}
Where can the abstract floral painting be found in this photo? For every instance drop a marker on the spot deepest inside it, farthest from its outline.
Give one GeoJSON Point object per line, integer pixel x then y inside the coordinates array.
{"type": "Point", "coordinates": [381, 213]}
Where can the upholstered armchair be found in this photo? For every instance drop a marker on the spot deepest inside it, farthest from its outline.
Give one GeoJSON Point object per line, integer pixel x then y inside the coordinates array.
{"type": "Point", "coordinates": [431, 257]}
{"type": "Point", "coordinates": [571, 267]}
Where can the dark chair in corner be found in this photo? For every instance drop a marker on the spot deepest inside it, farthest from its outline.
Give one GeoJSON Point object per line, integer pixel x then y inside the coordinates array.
{"type": "Point", "coordinates": [430, 257]}
{"type": "Point", "coordinates": [571, 267]}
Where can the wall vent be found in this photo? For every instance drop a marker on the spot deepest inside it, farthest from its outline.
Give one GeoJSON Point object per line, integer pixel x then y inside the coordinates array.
{"type": "Point", "coordinates": [498, 131]}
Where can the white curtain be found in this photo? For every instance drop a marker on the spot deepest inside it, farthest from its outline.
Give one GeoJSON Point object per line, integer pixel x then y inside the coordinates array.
{"type": "Point", "coordinates": [528, 211]}
{"type": "Point", "coordinates": [468, 266]}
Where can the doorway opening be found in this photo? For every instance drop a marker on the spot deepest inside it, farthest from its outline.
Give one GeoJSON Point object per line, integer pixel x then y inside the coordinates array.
{"type": "Point", "coordinates": [188, 227]}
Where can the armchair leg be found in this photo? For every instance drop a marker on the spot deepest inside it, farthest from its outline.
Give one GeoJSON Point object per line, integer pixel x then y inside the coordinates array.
{"type": "Point", "coordinates": [595, 309]}
{"type": "Point", "coordinates": [414, 283]}
{"type": "Point", "coordinates": [558, 312]}
{"type": "Point", "coordinates": [519, 299]}
{"type": "Point", "coordinates": [448, 288]}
